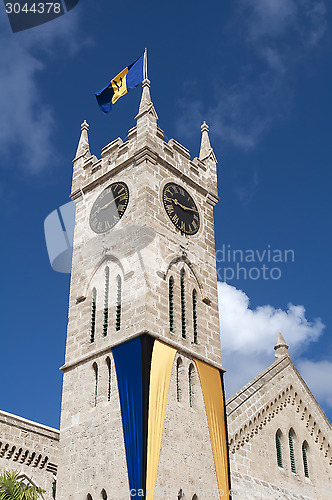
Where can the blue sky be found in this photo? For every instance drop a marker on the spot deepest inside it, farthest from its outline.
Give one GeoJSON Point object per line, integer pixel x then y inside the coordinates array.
{"type": "Point", "coordinates": [259, 73]}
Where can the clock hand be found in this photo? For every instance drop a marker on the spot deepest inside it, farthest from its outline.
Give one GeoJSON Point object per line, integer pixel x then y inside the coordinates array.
{"type": "Point", "coordinates": [107, 204]}
{"type": "Point", "coordinates": [183, 207]}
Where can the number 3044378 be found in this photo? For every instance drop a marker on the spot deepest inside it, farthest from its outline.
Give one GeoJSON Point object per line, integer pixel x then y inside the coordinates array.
{"type": "Point", "coordinates": [35, 8]}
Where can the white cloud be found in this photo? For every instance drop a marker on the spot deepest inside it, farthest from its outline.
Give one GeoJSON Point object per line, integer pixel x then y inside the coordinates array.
{"type": "Point", "coordinates": [249, 335]}
{"type": "Point", "coordinates": [280, 35]}
{"type": "Point", "coordinates": [26, 120]}
{"type": "Point", "coordinates": [252, 331]}
{"type": "Point", "coordinates": [272, 19]}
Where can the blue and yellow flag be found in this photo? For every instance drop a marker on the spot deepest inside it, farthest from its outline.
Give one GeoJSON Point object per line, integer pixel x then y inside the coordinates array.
{"type": "Point", "coordinates": [127, 79]}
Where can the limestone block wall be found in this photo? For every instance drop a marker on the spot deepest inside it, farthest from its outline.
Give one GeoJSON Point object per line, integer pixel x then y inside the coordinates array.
{"type": "Point", "coordinates": [91, 444]}
{"type": "Point", "coordinates": [142, 247]}
{"type": "Point", "coordinates": [29, 448]}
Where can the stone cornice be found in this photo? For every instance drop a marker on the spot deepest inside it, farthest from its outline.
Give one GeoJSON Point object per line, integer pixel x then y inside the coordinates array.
{"type": "Point", "coordinates": [108, 349]}
{"type": "Point", "coordinates": [23, 423]}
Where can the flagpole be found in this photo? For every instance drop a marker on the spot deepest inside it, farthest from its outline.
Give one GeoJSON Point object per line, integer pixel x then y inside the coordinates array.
{"type": "Point", "coordinates": [145, 63]}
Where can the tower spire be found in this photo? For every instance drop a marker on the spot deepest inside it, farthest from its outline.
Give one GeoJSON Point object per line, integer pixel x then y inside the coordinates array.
{"type": "Point", "coordinates": [83, 148]}
{"type": "Point", "coordinates": [281, 348]}
{"type": "Point", "coordinates": [146, 104]}
{"type": "Point", "coordinates": [146, 117]}
{"type": "Point", "coordinates": [206, 148]}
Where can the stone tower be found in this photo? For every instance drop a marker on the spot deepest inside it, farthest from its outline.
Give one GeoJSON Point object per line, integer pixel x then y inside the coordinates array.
{"type": "Point", "coordinates": [143, 268]}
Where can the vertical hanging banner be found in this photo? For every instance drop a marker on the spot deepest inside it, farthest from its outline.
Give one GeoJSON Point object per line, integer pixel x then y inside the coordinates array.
{"type": "Point", "coordinates": [132, 361]}
{"type": "Point", "coordinates": [161, 367]}
{"type": "Point", "coordinates": [128, 365]}
{"type": "Point", "coordinates": [23, 14]}
{"type": "Point", "coordinates": [213, 395]}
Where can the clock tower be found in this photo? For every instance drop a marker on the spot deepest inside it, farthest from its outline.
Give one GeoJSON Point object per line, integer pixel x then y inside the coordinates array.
{"type": "Point", "coordinates": [142, 405]}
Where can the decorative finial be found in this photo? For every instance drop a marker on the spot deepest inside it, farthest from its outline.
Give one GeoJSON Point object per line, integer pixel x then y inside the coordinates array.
{"type": "Point", "coordinates": [204, 127]}
{"type": "Point", "coordinates": [281, 348]}
{"type": "Point", "coordinates": [84, 126]}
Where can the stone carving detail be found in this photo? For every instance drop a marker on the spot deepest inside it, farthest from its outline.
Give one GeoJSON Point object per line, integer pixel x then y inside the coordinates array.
{"type": "Point", "coordinates": [277, 404]}
{"type": "Point", "coordinates": [26, 457]}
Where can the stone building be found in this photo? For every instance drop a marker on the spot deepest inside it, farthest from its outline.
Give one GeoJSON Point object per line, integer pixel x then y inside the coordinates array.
{"type": "Point", "coordinates": [144, 275]}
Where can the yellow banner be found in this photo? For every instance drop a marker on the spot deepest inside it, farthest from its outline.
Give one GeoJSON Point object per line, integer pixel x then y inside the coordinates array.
{"type": "Point", "coordinates": [214, 405]}
{"type": "Point", "coordinates": [119, 85]}
{"type": "Point", "coordinates": [161, 369]}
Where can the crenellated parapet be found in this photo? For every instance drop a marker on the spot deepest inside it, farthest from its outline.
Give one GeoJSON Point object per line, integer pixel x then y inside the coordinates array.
{"type": "Point", "coordinates": [145, 142]}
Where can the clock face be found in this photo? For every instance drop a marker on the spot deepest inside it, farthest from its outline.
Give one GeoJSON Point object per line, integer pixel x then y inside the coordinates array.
{"type": "Point", "coordinates": [109, 207]}
{"type": "Point", "coordinates": [181, 208]}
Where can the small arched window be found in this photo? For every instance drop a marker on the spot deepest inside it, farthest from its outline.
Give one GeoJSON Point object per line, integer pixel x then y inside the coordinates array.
{"type": "Point", "coordinates": [183, 303]}
{"type": "Point", "coordinates": [171, 303]}
{"type": "Point", "coordinates": [118, 303]}
{"type": "Point", "coordinates": [93, 315]}
{"type": "Point", "coordinates": [305, 458]}
{"type": "Point", "coordinates": [109, 377]}
{"type": "Point", "coordinates": [195, 315]}
{"type": "Point", "coordinates": [195, 497]}
{"type": "Point", "coordinates": [103, 495]}
{"type": "Point", "coordinates": [178, 376]}
{"type": "Point", "coordinates": [191, 375]}
{"type": "Point", "coordinates": [95, 369]}
{"type": "Point", "coordinates": [88, 497]}
{"type": "Point", "coordinates": [279, 448]}
{"type": "Point", "coordinates": [106, 293]}
{"type": "Point", "coordinates": [291, 450]}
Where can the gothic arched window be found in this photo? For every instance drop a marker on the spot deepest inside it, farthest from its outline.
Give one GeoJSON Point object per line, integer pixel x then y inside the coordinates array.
{"type": "Point", "coordinates": [191, 381]}
{"type": "Point", "coordinates": [279, 448]}
{"type": "Point", "coordinates": [88, 497]}
{"type": "Point", "coordinates": [183, 304]}
{"type": "Point", "coordinates": [195, 315]}
{"type": "Point", "coordinates": [118, 303]}
{"type": "Point", "coordinates": [95, 369]}
{"type": "Point", "coordinates": [171, 303]}
{"type": "Point", "coordinates": [93, 315]}
{"type": "Point", "coordinates": [109, 374]}
{"type": "Point", "coordinates": [178, 375]}
{"type": "Point", "coordinates": [291, 450]}
{"type": "Point", "coordinates": [103, 495]}
{"type": "Point", "coordinates": [305, 458]}
{"type": "Point", "coordinates": [106, 292]}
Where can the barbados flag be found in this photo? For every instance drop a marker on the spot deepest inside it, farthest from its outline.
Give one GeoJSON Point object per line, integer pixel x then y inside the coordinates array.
{"type": "Point", "coordinates": [127, 79]}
